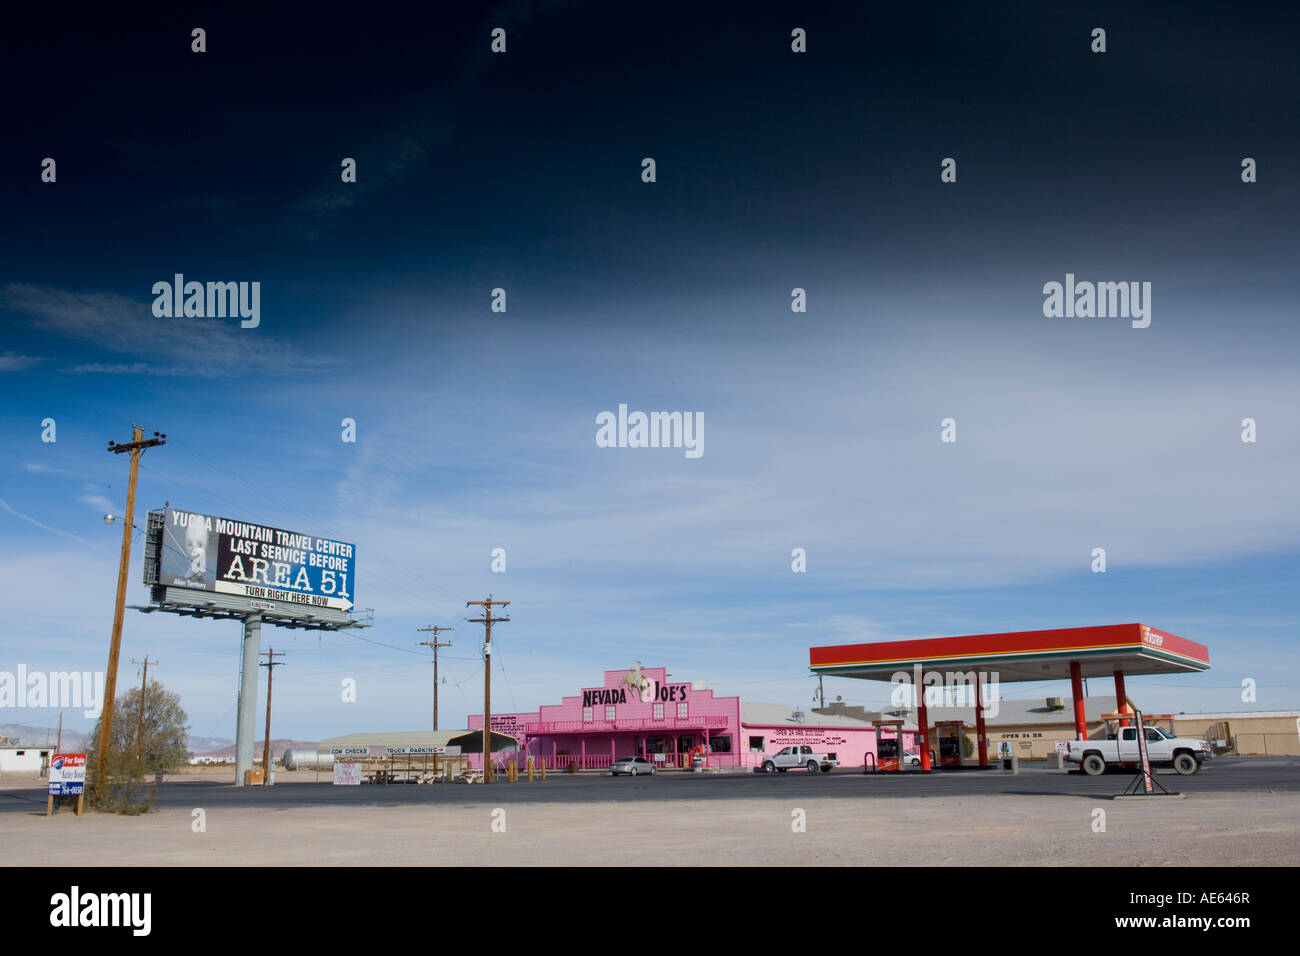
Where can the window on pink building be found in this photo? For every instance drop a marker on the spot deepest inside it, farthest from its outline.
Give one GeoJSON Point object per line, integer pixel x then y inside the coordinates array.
{"type": "Point", "coordinates": [609, 711]}
{"type": "Point", "coordinates": [586, 715]}
{"type": "Point", "coordinates": [681, 708]}
{"type": "Point", "coordinates": [659, 711]}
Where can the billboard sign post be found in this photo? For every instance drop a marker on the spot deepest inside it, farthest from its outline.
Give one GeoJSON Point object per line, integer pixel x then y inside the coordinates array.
{"type": "Point", "coordinates": [203, 566]}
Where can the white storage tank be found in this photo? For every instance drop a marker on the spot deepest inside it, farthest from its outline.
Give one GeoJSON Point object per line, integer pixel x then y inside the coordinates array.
{"type": "Point", "coordinates": [299, 758]}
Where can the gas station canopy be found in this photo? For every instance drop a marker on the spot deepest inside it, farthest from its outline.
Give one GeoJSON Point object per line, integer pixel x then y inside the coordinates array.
{"type": "Point", "coordinates": [1022, 655]}
{"type": "Point", "coordinates": [1111, 650]}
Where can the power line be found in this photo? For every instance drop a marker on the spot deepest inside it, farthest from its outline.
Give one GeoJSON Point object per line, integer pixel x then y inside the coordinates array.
{"type": "Point", "coordinates": [392, 647]}
{"type": "Point", "coordinates": [509, 689]}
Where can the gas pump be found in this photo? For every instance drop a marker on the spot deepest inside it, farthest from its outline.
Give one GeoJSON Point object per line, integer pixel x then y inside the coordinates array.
{"type": "Point", "coordinates": [949, 734]}
{"type": "Point", "coordinates": [889, 745]}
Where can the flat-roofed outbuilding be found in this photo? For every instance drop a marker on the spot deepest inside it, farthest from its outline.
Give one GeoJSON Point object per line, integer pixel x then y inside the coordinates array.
{"type": "Point", "coordinates": [470, 741]}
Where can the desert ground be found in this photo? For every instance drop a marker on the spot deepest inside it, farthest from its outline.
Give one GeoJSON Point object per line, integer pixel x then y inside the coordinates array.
{"type": "Point", "coordinates": [1226, 829]}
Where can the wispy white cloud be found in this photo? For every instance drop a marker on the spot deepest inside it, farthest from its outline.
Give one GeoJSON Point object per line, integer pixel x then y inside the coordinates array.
{"type": "Point", "coordinates": [119, 368]}
{"type": "Point", "coordinates": [44, 527]}
{"type": "Point", "coordinates": [13, 362]}
{"type": "Point", "coordinates": [98, 502]}
{"type": "Point", "coordinates": [844, 460]}
{"type": "Point", "coordinates": [191, 347]}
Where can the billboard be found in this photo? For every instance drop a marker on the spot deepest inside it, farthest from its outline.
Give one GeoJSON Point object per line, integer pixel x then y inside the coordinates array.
{"type": "Point", "coordinates": [252, 561]}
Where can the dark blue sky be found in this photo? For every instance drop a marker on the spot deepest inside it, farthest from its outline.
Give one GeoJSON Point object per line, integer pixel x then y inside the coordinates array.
{"type": "Point", "coordinates": [776, 170]}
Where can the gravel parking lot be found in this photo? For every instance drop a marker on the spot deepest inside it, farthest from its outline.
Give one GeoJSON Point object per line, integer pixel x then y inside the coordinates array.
{"type": "Point", "coordinates": [684, 823]}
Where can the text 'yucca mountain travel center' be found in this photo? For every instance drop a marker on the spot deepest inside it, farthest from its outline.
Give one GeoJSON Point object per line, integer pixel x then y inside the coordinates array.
{"type": "Point", "coordinates": [644, 712]}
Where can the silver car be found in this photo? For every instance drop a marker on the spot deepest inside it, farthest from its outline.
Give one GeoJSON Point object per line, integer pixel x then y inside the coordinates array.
{"type": "Point", "coordinates": [631, 766]}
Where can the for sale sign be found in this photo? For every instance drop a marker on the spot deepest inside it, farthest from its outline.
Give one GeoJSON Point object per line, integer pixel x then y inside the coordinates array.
{"type": "Point", "coordinates": [67, 775]}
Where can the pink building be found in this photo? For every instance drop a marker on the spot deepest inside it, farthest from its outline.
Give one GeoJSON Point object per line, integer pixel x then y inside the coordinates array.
{"type": "Point", "coordinates": [641, 711]}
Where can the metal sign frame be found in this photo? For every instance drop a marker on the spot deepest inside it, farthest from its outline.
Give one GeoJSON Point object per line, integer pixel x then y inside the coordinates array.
{"type": "Point", "coordinates": [1144, 782]}
{"type": "Point", "coordinates": [226, 608]}
{"type": "Point", "coordinates": [1142, 753]}
{"type": "Point", "coordinates": [252, 613]}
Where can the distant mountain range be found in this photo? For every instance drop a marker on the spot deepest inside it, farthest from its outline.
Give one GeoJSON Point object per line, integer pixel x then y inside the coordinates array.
{"type": "Point", "coordinates": [205, 745]}
{"type": "Point", "coordinates": [25, 735]}
{"type": "Point", "coordinates": [278, 747]}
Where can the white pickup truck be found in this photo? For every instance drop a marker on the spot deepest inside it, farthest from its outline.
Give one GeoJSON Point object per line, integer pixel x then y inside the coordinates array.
{"type": "Point", "coordinates": [1184, 754]}
{"type": "Point", "coordinates": [799, 755]}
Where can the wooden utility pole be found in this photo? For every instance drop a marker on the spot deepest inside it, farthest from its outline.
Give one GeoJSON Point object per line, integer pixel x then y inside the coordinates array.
{"type": "Point", "coordinates": [487, 620]}
{"type": "Point", "coordinates": [435, 645]}
{"type": "Point", "coordinates": [135, 447]}
{"type": "Point", "coordinates": [139, 719]}
{"type": "Point", "coordinates": [270, 664]}
{"type": "Point", "coordinates": [58, 749]}
{"type": "Point", "coordinates": [821, 691]}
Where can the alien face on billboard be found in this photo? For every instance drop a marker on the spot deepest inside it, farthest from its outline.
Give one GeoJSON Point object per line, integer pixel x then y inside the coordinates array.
{"type": "Point", "coordinates": [196, 547]}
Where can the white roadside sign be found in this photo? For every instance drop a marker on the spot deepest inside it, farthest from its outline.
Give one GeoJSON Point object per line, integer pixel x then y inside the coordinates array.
{"type": "Point", "coordinates": [347, 774]}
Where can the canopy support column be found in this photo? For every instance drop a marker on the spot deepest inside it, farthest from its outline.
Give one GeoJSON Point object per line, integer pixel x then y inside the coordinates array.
{"type": "Point", "coordinates": [1076, 689]}
{"type": "Point", "coordinates": [923, 725]}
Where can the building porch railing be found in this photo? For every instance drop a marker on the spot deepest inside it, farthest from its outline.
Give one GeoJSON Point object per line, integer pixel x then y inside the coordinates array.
{"type": "Point", "coordinates": [647, 724]}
